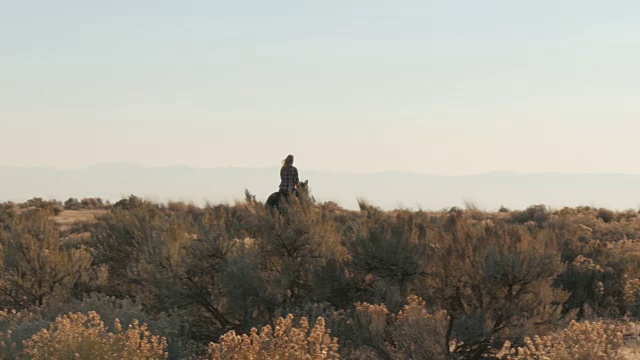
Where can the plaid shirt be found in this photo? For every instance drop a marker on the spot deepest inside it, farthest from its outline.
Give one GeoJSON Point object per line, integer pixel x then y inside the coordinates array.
{"type": "Point", "coordinates": [289, 178]}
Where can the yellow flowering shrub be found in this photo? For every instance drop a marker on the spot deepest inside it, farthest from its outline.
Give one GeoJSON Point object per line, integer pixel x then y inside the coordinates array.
{"type": "Point", "coordinates": [413, 333]}
{"type": "Point", "coordinates": [79, 336]}
{"type": "Point", "coordinates": [418, 333]}
{"type": "Point", "coordinates": [286, 341]}
{"type": "Point", "coordinates": [599, 340]}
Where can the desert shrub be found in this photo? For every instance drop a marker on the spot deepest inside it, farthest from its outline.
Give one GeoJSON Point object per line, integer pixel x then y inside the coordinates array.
{"type": "Point", "coordinates": [606, 215]}
{"type": "Point", "coordinates": [286, 341]}
{"type": "Point", "coordinates": [391, 253]}
{"type": "Point", "coordinates": [254, 296]}
{"type": "Point", "coordinates": [189, 209]}
{"type": "Point", "coordinates": [597, 275]}
{"type": "Point", "coordinates": [18, 326]}
{"type": "Point", "coordinates": [86, 203]}
{"type": "Point", "coordinates": [33, 264]}
{"type": "Point", "coordinates": [292, 249]}
{"type": "Point", "coordinates": [72, 204]}
{"type": "Point", "coordinates": [172, 259]}
{"type": "Point", "coordinates": [599, 340]}
{"type": "Point", "coordinates": [92, 203]}
{"type": "Point", "coordinates": [419, 334]}
{"type": "Point", "coordinates": [40, 203]}
{"type": "Point", "coordinates": [632, 296]}
{"type": "Point", "coordinates": [539, 214]}
{"type": "Point", "coordinates": [202, 280]}
{"type": "Point", "coordinates": [8, 212]}
{"type": "Point", "coordinates": [86, 337]}
{"type": "Point", "coordinates": [496, 282]}
{"type": "Point", "coordinates": [369, 325]}
{"type": "Point", "coordinates": [15, 327]}
{"type": "Point", "coordinates": [110, 309]}
{"type": "Point", "coordinates": [603, 225]}
{"type": "Point", "coordinates": [586, 281]}
{"type": "Point", "coordinates": [193, 274]}
{"type": "Point", "coordinates": [415, 332]}
{"type": "Point", "coordinates": [143, 249]}
{"type": "Point", "coordinates": [131, 203]}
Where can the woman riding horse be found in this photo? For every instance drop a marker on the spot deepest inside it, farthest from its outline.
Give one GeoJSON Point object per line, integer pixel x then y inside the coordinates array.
{"type": "Point", "coordinates": [289, 183]}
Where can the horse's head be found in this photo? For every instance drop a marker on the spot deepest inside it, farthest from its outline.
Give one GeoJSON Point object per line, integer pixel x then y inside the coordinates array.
{"type": "Point", "coordinates": [303, 186]}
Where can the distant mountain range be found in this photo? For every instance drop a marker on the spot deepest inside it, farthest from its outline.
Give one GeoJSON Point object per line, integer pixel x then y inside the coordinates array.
{"type": "Point", "coordinates": [388, 190]}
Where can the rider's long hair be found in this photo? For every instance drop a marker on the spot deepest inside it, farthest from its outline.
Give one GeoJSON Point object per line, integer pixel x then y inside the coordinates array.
{"type": "Point", "coordinates": [288, 161]}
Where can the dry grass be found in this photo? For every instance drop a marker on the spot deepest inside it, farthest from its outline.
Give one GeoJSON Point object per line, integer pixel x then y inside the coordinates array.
{"type": "Point", "coordinates": [69, 217]}
{"type": "Point", "coordinates": [628, 247]}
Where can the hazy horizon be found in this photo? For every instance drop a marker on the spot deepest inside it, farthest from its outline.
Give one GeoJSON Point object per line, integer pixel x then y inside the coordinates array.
{"type": "Point", "coordinates": [302, 170]}
{"type": "Point", "coordinates": [387, 189]}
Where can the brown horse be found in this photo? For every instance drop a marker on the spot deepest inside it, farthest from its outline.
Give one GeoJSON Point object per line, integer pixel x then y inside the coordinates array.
{"type": "Point", "coordinates": [274, 199]}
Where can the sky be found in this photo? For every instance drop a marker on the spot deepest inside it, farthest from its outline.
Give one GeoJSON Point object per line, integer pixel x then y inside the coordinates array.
{"type": "Point", "coordinates": [449, 87]}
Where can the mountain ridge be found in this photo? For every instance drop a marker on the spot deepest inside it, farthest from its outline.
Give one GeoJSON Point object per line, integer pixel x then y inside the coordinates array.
{"type": "Point", "coordinates": [387, 189]}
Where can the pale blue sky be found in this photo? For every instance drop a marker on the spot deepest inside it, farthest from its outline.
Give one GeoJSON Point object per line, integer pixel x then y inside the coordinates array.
{"type": "Point", "coordinates": [441, 87]}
